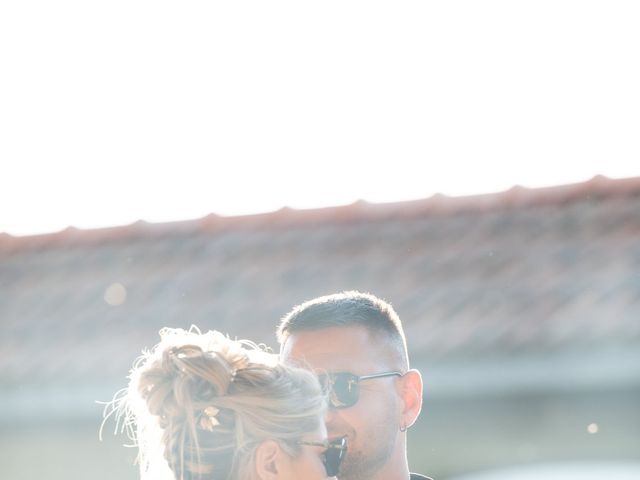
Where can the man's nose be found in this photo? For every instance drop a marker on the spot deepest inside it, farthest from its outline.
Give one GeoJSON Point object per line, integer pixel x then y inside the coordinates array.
{"type": "Point", "coordinates": [331, 418]}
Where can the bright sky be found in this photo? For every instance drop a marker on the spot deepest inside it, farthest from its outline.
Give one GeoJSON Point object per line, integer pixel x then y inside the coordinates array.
{"type": "Point", "coordinates": [116, 111]}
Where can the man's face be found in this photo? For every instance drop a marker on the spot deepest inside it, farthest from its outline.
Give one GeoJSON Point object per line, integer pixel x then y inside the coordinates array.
{"type": "Point", "coordinates": [372, 424]}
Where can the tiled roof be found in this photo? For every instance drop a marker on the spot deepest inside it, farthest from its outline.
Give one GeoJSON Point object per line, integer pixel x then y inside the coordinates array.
{"type": "Point", "coordinates": [519, 272]}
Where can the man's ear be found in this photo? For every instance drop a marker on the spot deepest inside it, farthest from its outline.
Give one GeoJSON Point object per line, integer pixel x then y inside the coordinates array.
{"type": "Point", "coordinates": [411, 394]}
{"type": "Point", "coordinates": [268, 460]}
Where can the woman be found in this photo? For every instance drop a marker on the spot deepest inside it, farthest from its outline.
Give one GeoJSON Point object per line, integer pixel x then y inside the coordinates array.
{"type": "Point", "coordinates": [212, 408]}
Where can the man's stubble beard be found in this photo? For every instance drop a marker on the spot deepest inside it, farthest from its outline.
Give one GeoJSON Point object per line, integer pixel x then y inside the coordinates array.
{"type": "Point", "coordinates": [380, 444]}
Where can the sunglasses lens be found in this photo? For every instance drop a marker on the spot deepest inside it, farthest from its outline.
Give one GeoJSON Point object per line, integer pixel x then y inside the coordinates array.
{"type": "Point", "coordinates": [333, 457]}
{"type": "Point", "coordinates": [344, 390]}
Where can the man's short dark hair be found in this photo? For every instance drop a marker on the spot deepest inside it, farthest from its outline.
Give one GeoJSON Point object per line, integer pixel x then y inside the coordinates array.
{"type": "Point", "coordinates": [347, 309]}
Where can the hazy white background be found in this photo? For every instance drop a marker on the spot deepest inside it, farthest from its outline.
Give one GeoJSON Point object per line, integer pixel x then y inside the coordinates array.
{"type": "Point", "coordinates": [116, 111]}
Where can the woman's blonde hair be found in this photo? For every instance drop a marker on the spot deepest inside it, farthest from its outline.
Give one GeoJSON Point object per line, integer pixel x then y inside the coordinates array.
{"type": "Point", "coordinates": [205, 402]}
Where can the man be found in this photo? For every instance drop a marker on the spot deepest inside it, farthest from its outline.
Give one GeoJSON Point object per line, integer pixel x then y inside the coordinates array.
{"type": "Point", "coordinates": [356, 344]}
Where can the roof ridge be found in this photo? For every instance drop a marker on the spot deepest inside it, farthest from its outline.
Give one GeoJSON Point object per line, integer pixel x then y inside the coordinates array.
{"type": "Point", "coordinates": [359, 211]}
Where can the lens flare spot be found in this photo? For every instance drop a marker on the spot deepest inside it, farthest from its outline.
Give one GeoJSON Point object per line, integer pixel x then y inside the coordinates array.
{"type": "Point", "coordinates": [115, 294]}
{"type": "Point", "coordinates": [592, 428]}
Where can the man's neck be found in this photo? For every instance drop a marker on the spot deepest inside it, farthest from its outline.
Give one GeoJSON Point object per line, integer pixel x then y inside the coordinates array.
{"type": "Point", "coordinates": [396, 468]}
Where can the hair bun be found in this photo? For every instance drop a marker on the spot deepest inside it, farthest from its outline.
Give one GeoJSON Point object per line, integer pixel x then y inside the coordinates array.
{"type": "Point", "coordinates": [183, 379]}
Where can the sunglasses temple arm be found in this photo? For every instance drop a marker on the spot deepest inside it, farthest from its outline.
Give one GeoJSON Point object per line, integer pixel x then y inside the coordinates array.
{"type": "Point", "coordinates": [380, 375]}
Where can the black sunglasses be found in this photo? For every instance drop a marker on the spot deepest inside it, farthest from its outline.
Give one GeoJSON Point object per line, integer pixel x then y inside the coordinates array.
{"type": "Point", "coordinates": [332, 455]}
{"type": "Point", "coordinates": [344, 387]}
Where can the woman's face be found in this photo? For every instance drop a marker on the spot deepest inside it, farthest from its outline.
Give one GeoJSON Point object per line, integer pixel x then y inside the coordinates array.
{"type": "Point", "coordinates": [308, 465]}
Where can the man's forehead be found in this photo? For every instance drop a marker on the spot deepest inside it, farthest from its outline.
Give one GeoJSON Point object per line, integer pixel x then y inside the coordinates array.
{"type": "Point", "coordinates": [349, 348]}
